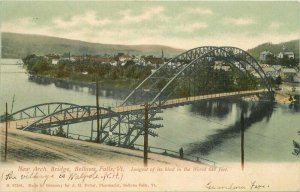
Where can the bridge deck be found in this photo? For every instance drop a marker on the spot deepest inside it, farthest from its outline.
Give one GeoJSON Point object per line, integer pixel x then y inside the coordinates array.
{"type": "Point", "coordinates": [125, 109]}
{"type": "Point", "coordinates": [187, 100]}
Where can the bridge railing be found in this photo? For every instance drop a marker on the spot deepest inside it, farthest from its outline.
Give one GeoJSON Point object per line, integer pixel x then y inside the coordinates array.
{"type": "Point", "coordinates": [79, 137]}
{"type": "Point", "coordinates": [156, 150]}
{"type": "Point", "coordinates": [171, 153]}
{"type": "Point", "coordinates": [209, 96]}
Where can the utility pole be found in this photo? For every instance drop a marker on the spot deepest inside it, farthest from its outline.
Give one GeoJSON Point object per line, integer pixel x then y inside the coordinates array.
{"type": "Point", "coordinates": [242, 140]}
{"type": "Point", "coordinates": [119, 142]}
{"type": "Point", "coordinates": [146, 124]}
{"type": "Point", "coordinates": [6, 124]}
{"type": "Point", "coordinates": [98, 115]}
{"type": "Point", "coordinates": [12, 104]}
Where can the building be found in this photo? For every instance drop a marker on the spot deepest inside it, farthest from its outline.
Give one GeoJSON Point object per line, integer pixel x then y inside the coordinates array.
{"type": "Point", "coordinates": [271, 72]}
{"type": "Point", "coordinates": [101, 59]}
{"type": "Point", "coordinates": [222, 66]}
{"type": "Point", "coordinates": [72, 59]}
{"type": "Point", "coordinates": [288, 74]}
{"type": "Point", "coordinates": [264, 65]}
{"type": "Point", "coordinates": [54, 58]}
{"type": "Point", "coordinates": [277, 67]}
{"type": "Point", "coordinates": [264, 55]}
{"type": "Point", "coordinates": [152, 61]}
{"type": "Point", "coordinates": [54, 61]}
{"type": "Point", "coordinates": [286, 52]}
{"type": "Point", "coordinates": [113, 62]}
{"type": "Point", "coordinates": [124, 58]}
{"type": "Point", "coordinates": [297, 78]}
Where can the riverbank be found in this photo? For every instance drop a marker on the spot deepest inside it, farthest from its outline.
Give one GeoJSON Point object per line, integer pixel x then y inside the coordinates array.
{"type": "Point", "coordinates": [31, 147]}
{"type": "Point", "coordinates": [286, 90]}
{"type": "Point", "coordinates": [282, 98]}
{"type": "Point", "coordinates": [121, 84]}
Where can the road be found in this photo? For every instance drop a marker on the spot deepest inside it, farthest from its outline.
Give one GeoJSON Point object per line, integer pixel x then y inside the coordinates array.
{"type": "Point", "coordinates": [24, 146]}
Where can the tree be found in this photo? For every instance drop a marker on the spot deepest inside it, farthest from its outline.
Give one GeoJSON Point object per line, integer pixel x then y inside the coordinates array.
{"type": "Point", "coordinates": [278, 81]}
{"type": "Point", "coordinates": [60, 132]}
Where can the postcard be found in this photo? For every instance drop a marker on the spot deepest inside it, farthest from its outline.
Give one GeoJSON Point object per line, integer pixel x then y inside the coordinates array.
{"type": "Point", "coordinates": [149, 96]}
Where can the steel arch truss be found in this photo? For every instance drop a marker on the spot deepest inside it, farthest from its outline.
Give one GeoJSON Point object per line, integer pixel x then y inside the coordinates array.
{"type": "Point", "coordinates": [122, 128]}
{"type": "Point", "coordinates": [40, 110]}
{"type": "Point", "coordinates": [156, 87]}
{"type": "Point", "coordinates": [67, 116]}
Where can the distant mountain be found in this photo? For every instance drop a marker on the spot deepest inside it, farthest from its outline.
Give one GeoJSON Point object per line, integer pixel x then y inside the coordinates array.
{"type": "Point", "coordinates": [16, 45]}
{"type": "Point", "coordinates": [275, 48]}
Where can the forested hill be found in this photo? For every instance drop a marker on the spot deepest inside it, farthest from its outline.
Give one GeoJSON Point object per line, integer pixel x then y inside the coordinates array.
{"type": "Point", "coordinates": [275, 48]}
{"type": "Point", "coordinates": [16, 45]}
{"type": "Point", "coordinates": [19, 45]}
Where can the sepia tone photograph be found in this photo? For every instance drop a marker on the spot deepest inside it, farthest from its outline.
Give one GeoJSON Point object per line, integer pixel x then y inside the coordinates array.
{"type": "Point", "coordinates": [149, 96]}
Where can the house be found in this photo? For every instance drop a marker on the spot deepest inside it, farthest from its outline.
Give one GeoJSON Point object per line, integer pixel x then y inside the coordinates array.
{"type": "Point", "coordinates": [264, 55]}
{"type": "Point", "coordinates": [297, 78]}
{"type": "Point", "coordinates": [221, 66]}
{"type": "Point", "coordinates": [101, 59]}
{"type": "Point", "coordinates": [271, 72]}
{"type": "Point", "coordinates": [264, 65]}
{"type": "Point", "coordinates": [151, 60]}
{"type": "Point", "coordinates": [54, 61]}
{"type": "Point", "coordinates": [72, 59]}
{"type": "Point", "coordinates": [255, 74]}
{"type": "Point", "coordinates": [286, 52]}
{"type": "Point", "coordinates": [136, 60]}
{"type": "Point", "coordinates": [124, 58]}
{"type": "Point", "coordinates": [54, 58]}
{"type": "Point", "coordinates": [288, 74]}
{"type": "Point", "coordinates": [277, 67]}
{"type": "Point", "coordinates": [113, 62]}
{"type": "Point", "coordinates": [289, 55]}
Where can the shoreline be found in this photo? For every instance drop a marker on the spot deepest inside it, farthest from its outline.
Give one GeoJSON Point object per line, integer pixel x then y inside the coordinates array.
{"type": "Point", "coordinates": [282, 96]}
{"type": "Point", "coordinates": [122, 84]}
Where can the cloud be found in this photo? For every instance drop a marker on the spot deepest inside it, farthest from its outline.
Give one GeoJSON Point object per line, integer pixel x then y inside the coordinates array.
{"type": "Point", "coordinates": [200, 11]}
{"type": "Point", "coordinates": [242, 40]}
{"type": "Point", "coordinates": [239, 21]}
{"type": "Point", "coordinates": [24, 25]}
{"type": "Point", "coordinates": [180, 35]}
{"type": "Point", "coordinates": [88, 18]}
{"type": "Point", "coordinates": [275, 25]}
{"type": "Point", "coordinates": [147, 14]}
{"type": "Point", "coordinates": [191, 27]}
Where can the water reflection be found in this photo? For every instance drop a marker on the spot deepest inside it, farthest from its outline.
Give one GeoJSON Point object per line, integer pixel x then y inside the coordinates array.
{"type": "Point", "coordinates": [295, 103]}
{"type": "Point", "coordinates": [213, 108]}
{"type": "Point", "coordinates": [80, 86]}
{"type": "Point", "coordinates": [254, 112]}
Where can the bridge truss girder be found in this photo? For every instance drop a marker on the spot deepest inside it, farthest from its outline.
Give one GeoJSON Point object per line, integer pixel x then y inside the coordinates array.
{"type": "Point", "coordinates": [121, 128]}
{"type": "Point", "coordinates": [38, 111]}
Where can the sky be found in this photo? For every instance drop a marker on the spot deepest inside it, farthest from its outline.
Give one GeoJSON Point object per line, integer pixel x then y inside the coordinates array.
{"type": "Point", "coordinates": [180, 24]}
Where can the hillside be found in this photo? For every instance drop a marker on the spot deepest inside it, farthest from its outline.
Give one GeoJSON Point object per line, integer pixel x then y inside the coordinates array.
{"type": "Point", "coordinates": [19, 45]}
{"type": "Point", "coordinates": [275, 48]}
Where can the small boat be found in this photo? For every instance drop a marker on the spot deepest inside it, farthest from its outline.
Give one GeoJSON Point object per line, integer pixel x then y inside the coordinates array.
{"type": "Point", "coordinates": [296, 148]}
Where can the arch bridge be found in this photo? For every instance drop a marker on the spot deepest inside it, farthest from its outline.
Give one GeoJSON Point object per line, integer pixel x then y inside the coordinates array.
{"type": "Point", "coordinates": [202, 73]}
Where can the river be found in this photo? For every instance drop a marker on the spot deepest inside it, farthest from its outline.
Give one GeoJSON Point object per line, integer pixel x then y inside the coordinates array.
{"type": "Point", "coordinates": [207, 129]}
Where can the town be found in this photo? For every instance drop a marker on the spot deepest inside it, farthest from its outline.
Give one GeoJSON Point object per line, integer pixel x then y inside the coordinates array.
{"type": "Point", "coordinates": [283, 64]}
{"type": "Point", "coordinates": [87, 67]}
{"type": "Point", "coordinates": [279, 67]}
